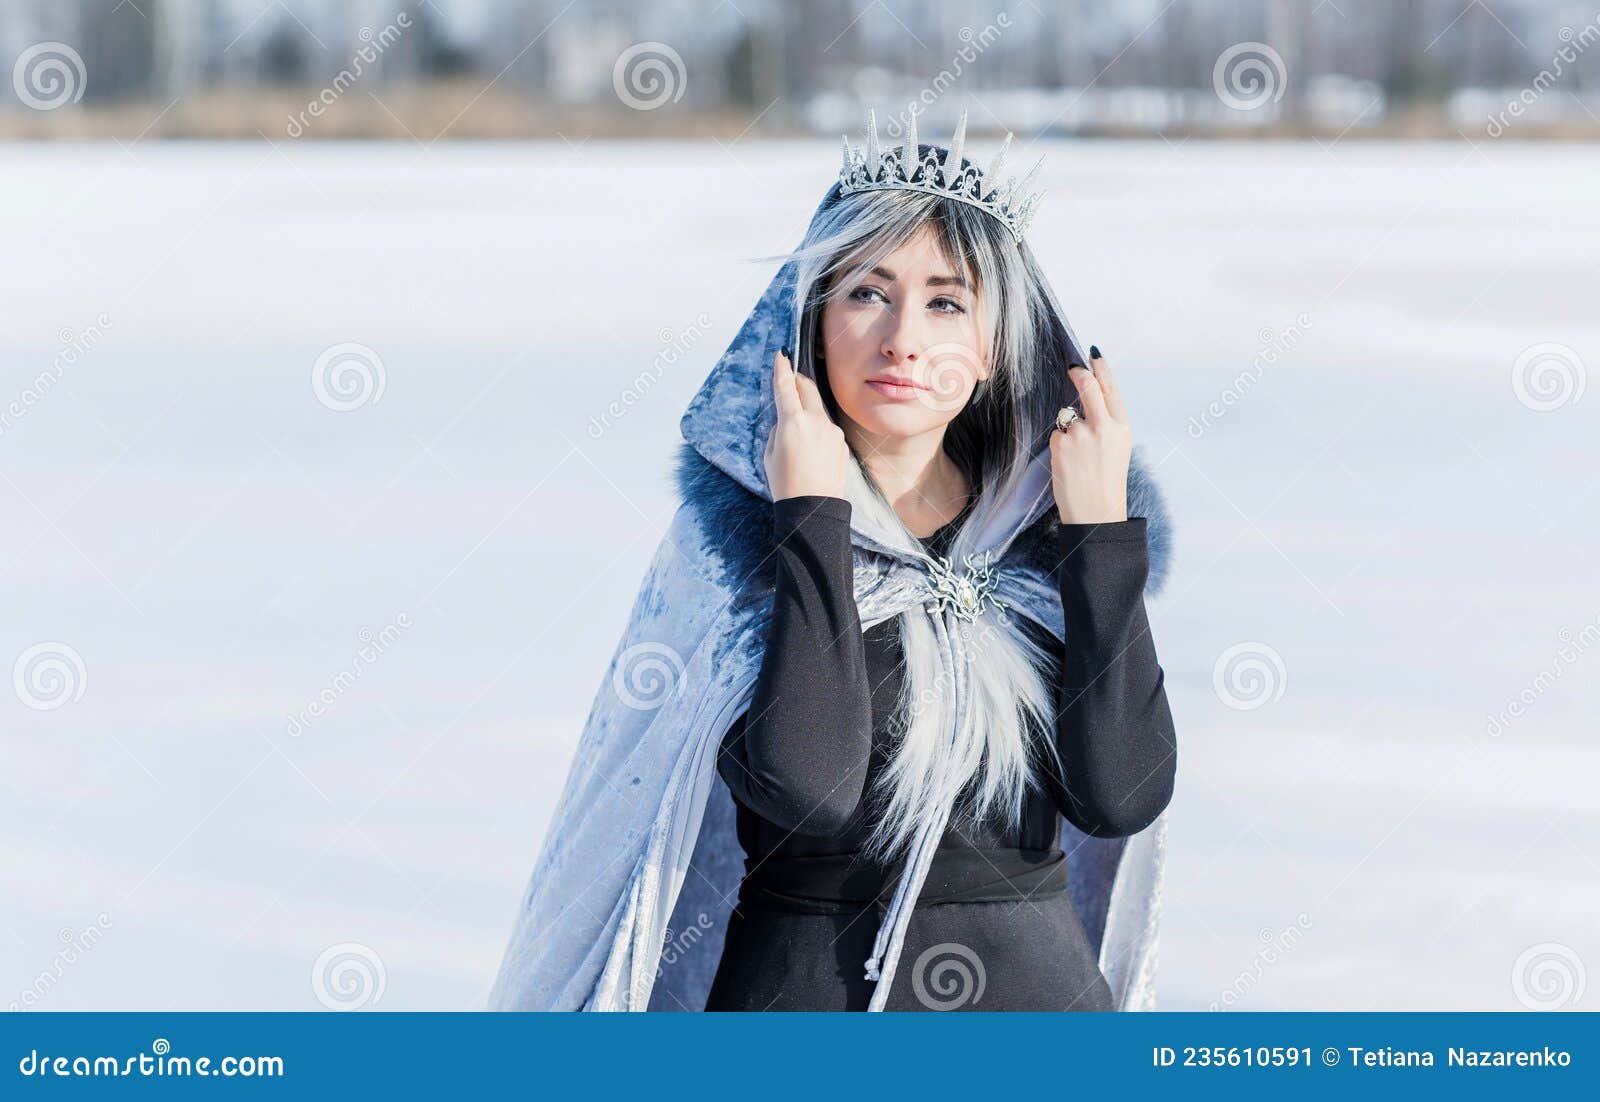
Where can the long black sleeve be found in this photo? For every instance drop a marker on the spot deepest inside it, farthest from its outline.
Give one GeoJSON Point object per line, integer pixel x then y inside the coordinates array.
{"type": "Point", "coordinates": [799, 757]}
{"type": "Point", "coordinates": [1114, 727]}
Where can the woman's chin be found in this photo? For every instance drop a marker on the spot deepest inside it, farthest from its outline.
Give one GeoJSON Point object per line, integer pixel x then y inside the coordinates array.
{"type": "Point", "coordinates": [896, 419]}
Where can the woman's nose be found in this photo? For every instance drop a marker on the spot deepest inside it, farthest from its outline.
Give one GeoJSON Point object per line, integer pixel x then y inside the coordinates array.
{"type": "Point", "coordinates": [904, 339]}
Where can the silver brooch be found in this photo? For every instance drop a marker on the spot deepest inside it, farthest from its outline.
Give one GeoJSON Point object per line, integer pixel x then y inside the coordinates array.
{"type": "Point", "coordinates": [967, 592]}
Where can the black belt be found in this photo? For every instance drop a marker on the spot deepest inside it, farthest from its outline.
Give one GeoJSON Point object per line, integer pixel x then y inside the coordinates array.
{"type": "Point", "coordinates": [839, 883]}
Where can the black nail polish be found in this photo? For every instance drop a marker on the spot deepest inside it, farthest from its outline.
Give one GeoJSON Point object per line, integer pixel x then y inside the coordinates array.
{"type": "Point", "coordinates": [1080, 367]}
{"type": "Point", "coordinates": [1094, 352]}
{"type": "Point", "coordinates": [785, 351]}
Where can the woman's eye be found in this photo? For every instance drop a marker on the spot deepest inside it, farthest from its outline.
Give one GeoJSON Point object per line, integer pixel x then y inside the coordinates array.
{"type": "Point", "coordinates": [866, 294]}
{"type": "Point", "coordinates": [947, 306]}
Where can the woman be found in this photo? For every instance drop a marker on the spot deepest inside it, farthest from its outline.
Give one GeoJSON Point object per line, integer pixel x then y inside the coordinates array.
{"type": "Point", "coordinates": [919, 349]}
{"type": "Point", "coordinates": [887, 688]}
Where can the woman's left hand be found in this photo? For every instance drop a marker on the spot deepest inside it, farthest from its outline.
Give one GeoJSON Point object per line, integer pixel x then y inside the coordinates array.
{"type": "Point", "coordinates": [1089, 461]}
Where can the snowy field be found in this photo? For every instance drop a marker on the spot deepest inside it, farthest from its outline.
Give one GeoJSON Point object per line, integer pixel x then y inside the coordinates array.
{"type": "Point", "coordinates": [1379, 520]}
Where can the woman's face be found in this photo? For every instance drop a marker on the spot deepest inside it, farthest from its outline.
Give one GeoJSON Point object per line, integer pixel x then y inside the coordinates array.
{"type": "Point", "coordinates": [902, 343]}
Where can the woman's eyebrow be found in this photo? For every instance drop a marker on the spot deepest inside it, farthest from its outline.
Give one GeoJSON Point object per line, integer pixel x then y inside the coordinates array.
{"type": "Point", "coordinates": [933, 281]}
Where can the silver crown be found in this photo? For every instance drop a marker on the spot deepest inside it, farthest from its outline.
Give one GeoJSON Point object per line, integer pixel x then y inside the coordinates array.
{"type": "Point", "coordinates": [879, 168]}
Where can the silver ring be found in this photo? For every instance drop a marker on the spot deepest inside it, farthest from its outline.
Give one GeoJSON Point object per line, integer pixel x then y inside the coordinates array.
{"type": "Point", "coordinates": [1065, 416]}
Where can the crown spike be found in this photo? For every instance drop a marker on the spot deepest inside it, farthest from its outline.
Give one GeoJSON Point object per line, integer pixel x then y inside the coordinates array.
{"type": "Point", "coordinates": [845, 171]}
{"type": "Point", "coordinates": [1027, 181]}
{"type": "Point", "coordinates": [993, 174]}
{"type": "Point", "coordinates": [874, 153]}
{"type": "Point", "coordinates": [952, 157]}
{"type": "Point", "coordinates": [908, 158]}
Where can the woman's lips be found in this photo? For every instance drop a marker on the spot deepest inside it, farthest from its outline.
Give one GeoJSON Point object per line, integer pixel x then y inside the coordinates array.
{"type": "Point", "coordinates": [900, 392]}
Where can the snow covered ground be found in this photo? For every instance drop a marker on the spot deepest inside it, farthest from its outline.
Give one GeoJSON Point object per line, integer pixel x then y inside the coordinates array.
{"type": "Point", "coordinates": [1375, 522]}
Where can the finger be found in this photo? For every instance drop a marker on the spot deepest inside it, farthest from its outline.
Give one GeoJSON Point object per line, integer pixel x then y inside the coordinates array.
{"type": "Point", "coordinates": [784, 394]}
{"type": "Point", "coordinates": [810, 396]}
{"type": "Point", "coordinates": [1090, 398]}
{"type": "Point", "coordinates": [1108, 384]}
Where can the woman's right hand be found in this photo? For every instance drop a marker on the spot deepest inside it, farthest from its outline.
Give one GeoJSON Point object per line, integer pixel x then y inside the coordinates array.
{"type": "Point", "coordinates": [807, 454]}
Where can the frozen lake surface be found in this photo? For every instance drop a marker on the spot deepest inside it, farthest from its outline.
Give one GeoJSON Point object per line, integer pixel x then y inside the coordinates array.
{"type": "Point", "coordinates": [1378, 521]}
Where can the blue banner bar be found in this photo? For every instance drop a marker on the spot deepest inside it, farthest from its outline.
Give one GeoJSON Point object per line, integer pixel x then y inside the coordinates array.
{"type": "Point", "coordinates": [801, 1056]}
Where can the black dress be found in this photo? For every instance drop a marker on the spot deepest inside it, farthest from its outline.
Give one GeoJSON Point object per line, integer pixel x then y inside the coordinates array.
{"type": "Point", "coordinates": [993, 927]}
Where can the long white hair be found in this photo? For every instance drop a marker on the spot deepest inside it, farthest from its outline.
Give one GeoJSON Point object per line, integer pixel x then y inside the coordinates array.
{"type": "Point", "coordinates": [1010, 717]}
